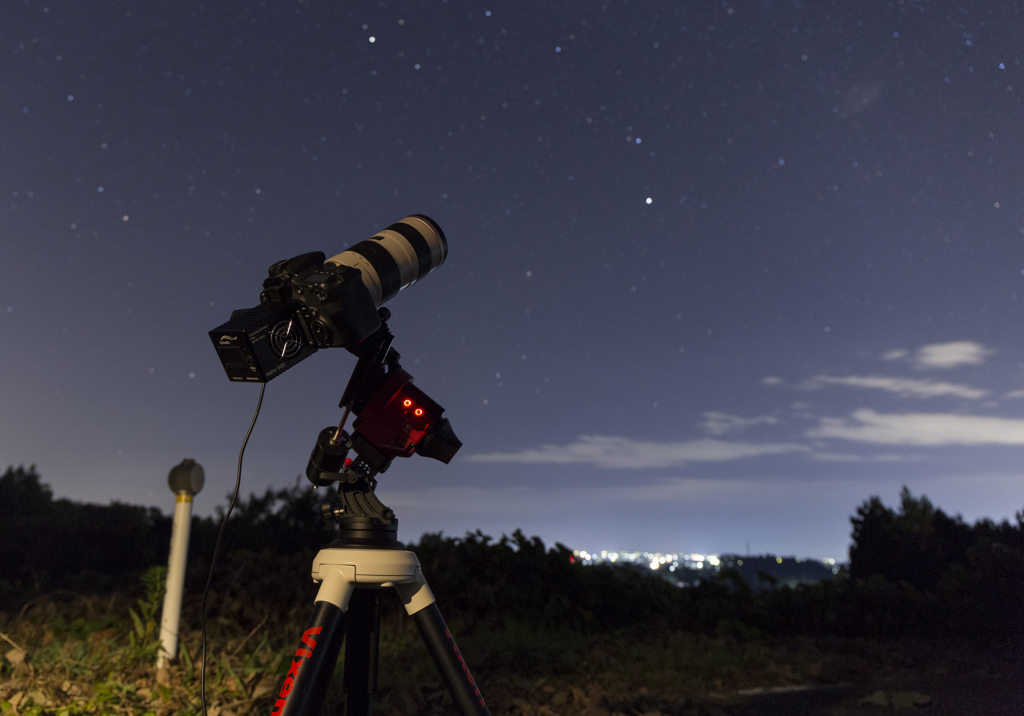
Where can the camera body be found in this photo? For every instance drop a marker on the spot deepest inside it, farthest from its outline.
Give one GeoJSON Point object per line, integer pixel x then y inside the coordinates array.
{"type": "Point", "coordinates": [308, 303]}
{"type": "Point", "coordinates": [304, 307]}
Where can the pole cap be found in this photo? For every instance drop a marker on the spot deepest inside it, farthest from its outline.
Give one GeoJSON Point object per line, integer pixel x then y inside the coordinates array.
{"type": "Point", "coordinates": [187, 477]}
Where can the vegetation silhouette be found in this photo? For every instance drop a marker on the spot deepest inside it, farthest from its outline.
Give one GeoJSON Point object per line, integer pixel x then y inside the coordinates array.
{"type": "Point", "coordinates": [50, 544]}
{"type": "Point", "coordinates": [913, 571]}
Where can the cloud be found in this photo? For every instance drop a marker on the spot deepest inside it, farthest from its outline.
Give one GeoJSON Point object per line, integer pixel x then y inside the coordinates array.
{"type": "Point", "coordinates": [552, 498]}
{"type": "Point", "coordinates": [1014, 394]}
{"type": "Point", "coordinates": [843, 457]}
{"type": "Point", "coordinates": [951, 355]}
{"type": "Point", "coordinates": [905, 387]}
{"type": "Point", "coordinates": [619, 452]}
{"type": "Point", "coordinates": [722, 423]}
{"type": "Point", "coordinates": [896, 354]}
{"type": "Point", "coordinates": [481, 502]}
{"type": "Point", "coordinates": [931, 429]}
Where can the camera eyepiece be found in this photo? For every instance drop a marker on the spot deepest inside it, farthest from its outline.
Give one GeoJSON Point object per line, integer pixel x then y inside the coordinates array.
{"type": "Point", "coordinates": [396, 257]}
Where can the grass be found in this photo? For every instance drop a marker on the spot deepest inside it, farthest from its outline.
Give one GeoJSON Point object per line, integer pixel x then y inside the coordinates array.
{"type": "Point", "coordinates": [111, 671]}
{"type": "Point", "coordinates": [89, 654]}
{"type": "Point", "coordinates": [95, 655]}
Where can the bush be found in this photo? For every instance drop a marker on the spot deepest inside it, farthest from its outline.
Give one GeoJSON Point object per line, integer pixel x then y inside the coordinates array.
{"type": "Point", "coordinates": [59, 543]}
{"type": "Point", "coordinates": [927, 571]}
{"type": "Point", "coordinates": [517, 579]}
{"type": "Point", "coordinates": [913, 571]}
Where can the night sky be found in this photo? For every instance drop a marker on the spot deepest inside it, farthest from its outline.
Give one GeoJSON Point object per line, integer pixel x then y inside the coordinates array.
{"type": "Point", "coordinates": [717, 272]}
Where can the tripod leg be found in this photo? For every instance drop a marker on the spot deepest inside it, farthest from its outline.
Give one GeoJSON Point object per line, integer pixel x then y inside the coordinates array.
{"type": "Point", "coordinates": [312, 666]}
{"type": "Point", "coordinates": [420, 604]}
{"type": "Point", "coordinates": [311, 669]}
{"type": "Point", "coordinates": [362, 643]}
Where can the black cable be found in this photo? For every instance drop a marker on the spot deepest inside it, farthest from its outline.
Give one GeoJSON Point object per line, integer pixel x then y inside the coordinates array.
{"type": "Point", "coordinates": [216, 547]}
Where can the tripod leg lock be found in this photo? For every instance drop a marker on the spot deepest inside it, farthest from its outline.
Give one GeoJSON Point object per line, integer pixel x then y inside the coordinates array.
{"type": "Point", "coordinates": [416, 595]}
{"type": "Point", "coordinates": [336, 584]}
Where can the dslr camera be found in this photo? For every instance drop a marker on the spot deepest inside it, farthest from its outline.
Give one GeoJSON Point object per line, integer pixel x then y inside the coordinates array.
{"type": "Point", "coordinates": [308, 302]}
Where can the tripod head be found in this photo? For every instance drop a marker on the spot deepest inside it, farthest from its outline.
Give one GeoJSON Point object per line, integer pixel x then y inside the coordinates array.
{"type": "Point", "coordinates": [394, 419]}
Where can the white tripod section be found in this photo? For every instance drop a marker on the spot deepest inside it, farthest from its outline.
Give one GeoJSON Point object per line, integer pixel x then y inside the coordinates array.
{"type": "Point", "coordinates": [339, 570]}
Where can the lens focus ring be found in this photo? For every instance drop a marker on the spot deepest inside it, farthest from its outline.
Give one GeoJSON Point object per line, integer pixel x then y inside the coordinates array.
{"type": "Point", "coordinates": [397, 257]}
{"type": "Point", "coordinates": [389, 275]}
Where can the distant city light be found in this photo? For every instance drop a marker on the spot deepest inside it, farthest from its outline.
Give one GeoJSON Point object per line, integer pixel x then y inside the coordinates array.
{"type": "Point", "coordinates": [709, 564]}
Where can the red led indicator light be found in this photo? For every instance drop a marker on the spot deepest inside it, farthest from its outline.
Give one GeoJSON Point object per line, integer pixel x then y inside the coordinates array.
{"type": "Point", "coordinates": [407, 402]}
{"type": "Point", "coordinates": [418, 412]}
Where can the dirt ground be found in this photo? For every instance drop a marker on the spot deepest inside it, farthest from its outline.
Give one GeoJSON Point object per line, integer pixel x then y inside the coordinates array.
{"type": "Point", "coordinates": [875, 679]}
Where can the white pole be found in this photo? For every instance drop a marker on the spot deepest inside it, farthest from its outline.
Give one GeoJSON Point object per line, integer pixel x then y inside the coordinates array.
{"type": "Point", "coordinates": [171, 619]}
{"type": "Point", "coordinates": [185, 481]}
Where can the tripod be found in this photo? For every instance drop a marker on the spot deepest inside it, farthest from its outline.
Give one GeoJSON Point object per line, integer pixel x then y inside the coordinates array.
{"type": "Point", "coordinates": [395, 420]}
{"type": "Point", "coordinates": [350, 584]}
